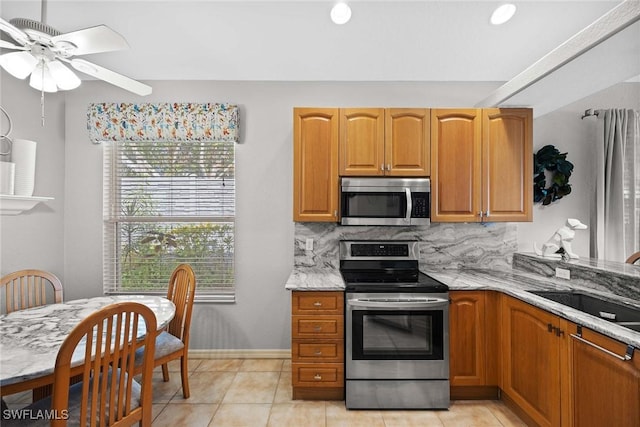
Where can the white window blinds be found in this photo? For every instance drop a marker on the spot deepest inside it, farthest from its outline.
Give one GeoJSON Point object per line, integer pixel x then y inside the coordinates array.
{"type": "Point", "coordinates": [167, 203]}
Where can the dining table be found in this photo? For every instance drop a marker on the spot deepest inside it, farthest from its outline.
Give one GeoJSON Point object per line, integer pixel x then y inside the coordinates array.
{"type": "Point", "coordinates": [30, 338]}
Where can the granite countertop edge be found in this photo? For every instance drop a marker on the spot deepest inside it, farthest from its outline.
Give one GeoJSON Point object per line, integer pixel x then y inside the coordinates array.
{"type": "Point", "coordinates": [511, 282]}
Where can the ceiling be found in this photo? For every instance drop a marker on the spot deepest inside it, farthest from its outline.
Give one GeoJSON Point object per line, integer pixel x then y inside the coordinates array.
{"type": "Point", "coordinates": [420, 40]}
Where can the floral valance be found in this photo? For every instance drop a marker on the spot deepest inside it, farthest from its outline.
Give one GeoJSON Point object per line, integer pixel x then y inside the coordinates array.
{"type": "Point", "coordinates": [185, 121]}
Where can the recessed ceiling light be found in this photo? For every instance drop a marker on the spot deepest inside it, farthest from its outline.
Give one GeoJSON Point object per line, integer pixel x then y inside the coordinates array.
{"type": "Point", "coordinates": [340, 13]}
{"type": "Point", "coordinates": [503, 13]}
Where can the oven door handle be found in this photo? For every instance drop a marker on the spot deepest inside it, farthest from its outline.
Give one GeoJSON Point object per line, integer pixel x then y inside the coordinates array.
{"type": "Point", "coordinates": [386, 304]}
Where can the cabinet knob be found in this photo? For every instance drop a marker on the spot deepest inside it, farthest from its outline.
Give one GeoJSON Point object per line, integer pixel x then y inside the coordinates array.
{"type": "Point", "coordinates": [317, 377]}
{"type": "Point", "coordinates": [317, 304]}
{"type": "Point", "coordinates": [382, 167]}
{"type": "Point", "coordinates": [388, 167]}
{"type": "Point", "coordinates": [480, 214]}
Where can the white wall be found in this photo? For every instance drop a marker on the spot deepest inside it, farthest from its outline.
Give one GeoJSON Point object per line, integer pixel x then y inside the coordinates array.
{"type": "Point", "coordinates": [34, 239]}
{"type": "Point", "coordinates": [565, 129]}
{"type": "Point", "coordinates": [65, 236]}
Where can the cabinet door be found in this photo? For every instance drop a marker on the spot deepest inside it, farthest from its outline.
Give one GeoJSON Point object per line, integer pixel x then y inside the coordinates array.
{"type": "Point", "coordinates": [531, 360]}
{"type": "Point", "coordinates": [407, 148]}
{"type": "Point", "coordinates": [455, 165]}
{"type": "Point", "coordinates": [315, 164]}
{"type": "Point", "coordinates": [467, 339]}
{"type": "Point", "coordinates": [361, 141]}
{"type": "Point", "coordinates": [605, 389]}
{"type": "Point", "coordinates": [507, 164]}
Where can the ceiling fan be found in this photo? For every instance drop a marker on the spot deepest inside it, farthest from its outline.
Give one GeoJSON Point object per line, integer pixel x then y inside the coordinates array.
{"type": "Point", "coordinates": [43, 52]}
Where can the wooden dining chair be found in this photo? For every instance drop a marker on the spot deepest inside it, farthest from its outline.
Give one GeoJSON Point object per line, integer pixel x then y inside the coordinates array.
{"type": "Point", "coordinates": [30, 288]}
{"type": "Point", "coordinates": [173, 343]}
{"type": "Point", "coordinates": [634, 258]}
{"type": "Point", "coordinates": [108, 395]}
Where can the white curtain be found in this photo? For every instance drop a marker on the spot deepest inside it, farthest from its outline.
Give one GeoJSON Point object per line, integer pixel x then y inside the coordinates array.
{"type": "Point", "coordinates": [615, 216]}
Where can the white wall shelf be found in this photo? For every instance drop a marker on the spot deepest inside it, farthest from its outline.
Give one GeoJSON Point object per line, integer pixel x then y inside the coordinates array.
{"type": "Point", "coordinates": [15, 205]}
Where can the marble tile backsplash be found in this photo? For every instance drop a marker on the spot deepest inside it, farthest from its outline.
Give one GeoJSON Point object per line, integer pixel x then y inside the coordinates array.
{"type": "Point", "coordinates": [606, 276]}
{"type": "Point", "coordinates": [442, 245]}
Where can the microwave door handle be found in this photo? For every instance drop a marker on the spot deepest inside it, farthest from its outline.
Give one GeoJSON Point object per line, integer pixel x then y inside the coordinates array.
{"type": "Point", "coordinates": [407, 217]}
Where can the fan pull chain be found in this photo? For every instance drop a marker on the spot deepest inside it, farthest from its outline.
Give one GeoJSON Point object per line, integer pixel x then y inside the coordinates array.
{"type": "Point", "coordinates": [42, 96]}
{"type": "Point", "coordinates": [42, 106]}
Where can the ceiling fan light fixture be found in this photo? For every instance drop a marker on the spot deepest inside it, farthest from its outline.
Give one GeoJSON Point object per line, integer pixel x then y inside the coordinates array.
{"type": "Point", "coordinates": [41, 79]}
{"type": "Point", "coordinates": [18, 64]}
{"type": "Point", "coordinates": [340, 13]}
{"type": "Point", "coordinates": [503, 13]}
{"type": "Point", "coordinates": [63, 77]}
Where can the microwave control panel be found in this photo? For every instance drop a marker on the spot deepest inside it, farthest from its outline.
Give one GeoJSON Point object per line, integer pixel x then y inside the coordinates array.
{"type": "Point", "coordinates": [421, 206]}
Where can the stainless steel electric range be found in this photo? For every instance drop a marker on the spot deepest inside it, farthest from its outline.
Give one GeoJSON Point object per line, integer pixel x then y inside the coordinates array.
{"type": "Point", "coordinates": [396, 328]}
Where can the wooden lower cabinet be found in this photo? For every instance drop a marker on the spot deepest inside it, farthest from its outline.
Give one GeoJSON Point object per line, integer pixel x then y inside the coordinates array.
{"type": "Point", "coordinates": [473, 349]}
{"type": "Point", "coordinates": [531, 349]}
{"type": "Point", "coordinates": [556, 373]}
{"type": "Point", "coordinates": [317, 345]}
{"type": "Point", "coordinates": [604, 388]}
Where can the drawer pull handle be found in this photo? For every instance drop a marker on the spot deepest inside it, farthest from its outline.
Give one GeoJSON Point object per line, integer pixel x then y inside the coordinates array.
{"type": "Point", "coordinates": [317, 304]}
{"type": "Point", "coordinates": [318, 353]}
{"type": "Point", "coordinates": [317, 328]}
{"type": "Point", "coordinates": [317, 377]}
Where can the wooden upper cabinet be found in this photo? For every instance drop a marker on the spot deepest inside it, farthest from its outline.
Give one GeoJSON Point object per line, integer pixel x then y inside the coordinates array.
{"type": "Point", "coordinates": [481, 167]}
{"type": "Point", "coordinates": [507, 168]}
{"type": "Point", "coordinates": [361, 141]}
{"type": "Point", "coordinates": [315, 164]}
{"type": "Point", "coordinates": [378, 141]}
{"type": "Point", "coordinates": [455, 165]}
{"type": "Point", "coordinates": [407, 142]}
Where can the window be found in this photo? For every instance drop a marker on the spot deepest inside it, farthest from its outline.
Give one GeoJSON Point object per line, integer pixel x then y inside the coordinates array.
{"type": "Point", "coordinates": [167, 203]}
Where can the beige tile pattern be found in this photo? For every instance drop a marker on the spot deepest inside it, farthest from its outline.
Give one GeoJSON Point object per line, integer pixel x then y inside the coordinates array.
{"type": "Point", "coordinates": [257, 393]}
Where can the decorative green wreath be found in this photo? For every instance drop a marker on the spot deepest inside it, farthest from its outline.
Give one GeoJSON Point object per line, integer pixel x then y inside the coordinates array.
{"type": "Point", "coordinates": [548, 158]}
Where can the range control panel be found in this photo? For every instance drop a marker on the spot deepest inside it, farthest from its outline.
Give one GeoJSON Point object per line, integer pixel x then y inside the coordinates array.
{"type": "Point", "coordinates": [379, 249]}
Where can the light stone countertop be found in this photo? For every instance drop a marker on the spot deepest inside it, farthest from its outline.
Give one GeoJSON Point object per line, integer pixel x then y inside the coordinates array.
{"type": "Point", "coordinates": [315, 279]}
{"type": "Point", "coordinates": [511, 282]}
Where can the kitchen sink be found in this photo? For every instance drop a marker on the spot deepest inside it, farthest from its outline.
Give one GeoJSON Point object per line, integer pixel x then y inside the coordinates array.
{"type": "Point", "coordinates": [618, 313]}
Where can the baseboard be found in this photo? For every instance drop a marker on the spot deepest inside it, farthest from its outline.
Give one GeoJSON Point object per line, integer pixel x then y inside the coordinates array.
{"type": "Point", "coordinates": [239, 354]}
{"type": "Point", "coordinates": [474, 392]}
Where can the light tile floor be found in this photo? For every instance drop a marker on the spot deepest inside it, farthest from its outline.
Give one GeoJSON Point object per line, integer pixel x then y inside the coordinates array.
{"type": "Point", "coordinates": [257, 392]}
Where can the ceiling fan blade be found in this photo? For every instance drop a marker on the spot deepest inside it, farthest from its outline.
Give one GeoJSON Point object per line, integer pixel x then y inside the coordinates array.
{"type": "Point", "coordinates": [7, 45]}
{"type": "Point", "coordinates": [18, 64]}
{"type": "Point", "coordinates": [16, 33]}
{"type": "Point", "coordinates": [111, 77]}
{"type": "Point", "coordinates": [92, 40]}
{"type": "Point", "coordinates": [65, 78]}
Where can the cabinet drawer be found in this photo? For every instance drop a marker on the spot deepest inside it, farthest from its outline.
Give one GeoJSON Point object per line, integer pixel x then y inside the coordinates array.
{"type": "Point", "coordinates": [317, 351]}
{"type": "Point", "coordinates": [317, 374]}
{"type": "Point", "coordinates": [317, 302]}
{"type": "Point", "coordinates": [317, 327]}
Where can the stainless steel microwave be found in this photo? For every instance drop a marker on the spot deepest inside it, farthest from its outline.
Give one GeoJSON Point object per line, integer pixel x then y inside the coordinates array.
{"type": "Point", "coordinates": [385, 201]}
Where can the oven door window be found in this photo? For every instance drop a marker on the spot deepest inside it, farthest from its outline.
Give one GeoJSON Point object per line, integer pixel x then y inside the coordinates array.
{"type": "Point", "coordinates": [397, 335]}
{"type": "Point", "coordinates": [374, 205]}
